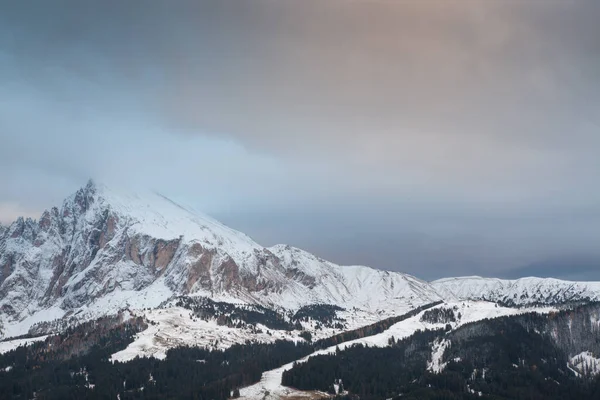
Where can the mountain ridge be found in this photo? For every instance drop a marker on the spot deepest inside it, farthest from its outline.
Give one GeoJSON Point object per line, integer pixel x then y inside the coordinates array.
{"type": "Point", "coordinates": [518, 292]}
{"type": "Point", "coordinates": [103, 250]}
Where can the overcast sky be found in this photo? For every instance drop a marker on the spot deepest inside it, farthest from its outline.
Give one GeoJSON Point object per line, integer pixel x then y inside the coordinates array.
{"type": "Point", "coordinates": [433, 137]}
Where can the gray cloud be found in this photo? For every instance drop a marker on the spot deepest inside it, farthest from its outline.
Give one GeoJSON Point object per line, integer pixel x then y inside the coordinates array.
{"type": "Point", "coordinates": [439, 137]}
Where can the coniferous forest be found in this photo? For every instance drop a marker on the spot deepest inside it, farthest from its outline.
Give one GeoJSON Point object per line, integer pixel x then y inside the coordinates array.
{"type": "Point", "coordinates": [522, 357]}
{"type": "Point", "coordinates": [77, 365]}
{"type": "Point", "coordinates": [518, 357]}
{"type": "Point", "coordinates": [186, 373]}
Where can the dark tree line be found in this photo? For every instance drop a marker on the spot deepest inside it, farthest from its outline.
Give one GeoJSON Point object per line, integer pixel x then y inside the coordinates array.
{"type": "Point", "coordinates": [370, 373]}
{"type": "Point", "coordinates": [76, 365]}
{"type": "Point", "coordinates": [234, 315]}
{"type": "Point", "coordinates": [519, 357]}
{"type": "Point", "coordinates": [439, 315]}
{"type": "Point", "coordinates": [325, 315]}
{"type": "Point", "coordinates": [372, 329]}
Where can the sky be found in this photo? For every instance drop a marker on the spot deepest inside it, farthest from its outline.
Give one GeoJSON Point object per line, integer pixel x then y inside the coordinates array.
{"type": "Point", "coordinates": [438, 138]}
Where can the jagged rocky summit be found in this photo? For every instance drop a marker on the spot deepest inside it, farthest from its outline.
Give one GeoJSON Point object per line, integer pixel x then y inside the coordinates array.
{"type": "Point", "coordinates": [104, 250]}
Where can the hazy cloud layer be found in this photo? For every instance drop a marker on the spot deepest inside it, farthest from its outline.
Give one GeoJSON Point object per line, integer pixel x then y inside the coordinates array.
{"type": "Point", "coordinates": [435, 137]}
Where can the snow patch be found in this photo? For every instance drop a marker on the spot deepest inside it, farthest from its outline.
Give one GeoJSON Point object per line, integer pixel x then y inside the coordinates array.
{"type": "Point", "coordinates": [439, 347]}
{"type": "Point", "coordinates": [585, 364]}
{"type": "Point", "coordinates": [10, 345]}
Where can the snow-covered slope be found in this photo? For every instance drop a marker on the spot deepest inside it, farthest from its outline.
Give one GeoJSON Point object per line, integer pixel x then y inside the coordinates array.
{"type": "Point", "coordinates": [270, 386]}
{"type": "Point", "coordinates": [104, 250]}
{"type": "Point", "coordinates": [524, 291]}
{"type": "Point", "coordinates": [348, 286]}
{"type": "Point", "coordinates": [173, 327]}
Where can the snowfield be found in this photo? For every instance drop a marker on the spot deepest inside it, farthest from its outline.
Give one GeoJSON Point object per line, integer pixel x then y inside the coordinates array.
{"type": "Point", "coordinates": [585, 363]}
{"type": "Point", "coordinates": [10, 345]}
{"type": "Point", "coordinates": [174, 327]}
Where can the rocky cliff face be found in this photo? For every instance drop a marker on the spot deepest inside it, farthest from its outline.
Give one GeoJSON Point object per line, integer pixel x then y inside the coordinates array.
{"type": "Point", "coordinates": [104, 250]}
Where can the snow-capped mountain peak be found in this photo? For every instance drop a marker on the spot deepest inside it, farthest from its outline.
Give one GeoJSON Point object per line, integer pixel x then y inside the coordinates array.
{"type": "Point", "coordinates": [156, 215]}
{"type": "Point", "coordinates": [106, 249]}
